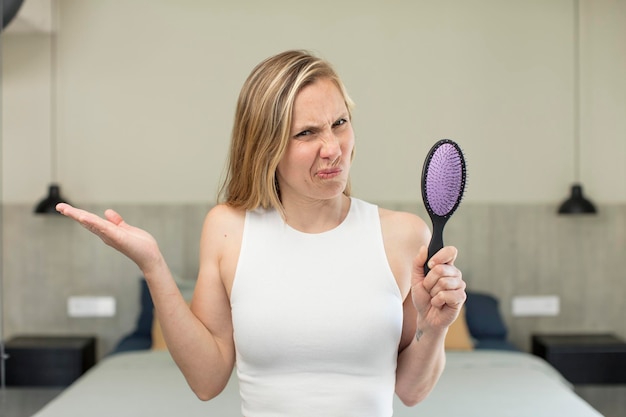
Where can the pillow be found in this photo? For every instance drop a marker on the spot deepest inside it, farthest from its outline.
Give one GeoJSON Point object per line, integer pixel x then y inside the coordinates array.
{"type": "Point", "coordinates": [483, 317]}
{"type": "Point", "coordinates": [158, 342]}
{"type": "Point", "coordinates": [458, 337]}
{"type": "Point", "coordinates": [146, 310]}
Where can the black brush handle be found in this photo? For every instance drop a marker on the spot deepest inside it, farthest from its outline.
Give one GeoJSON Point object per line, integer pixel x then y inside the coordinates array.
{"type": "Point", "coordinates": [436, 240]}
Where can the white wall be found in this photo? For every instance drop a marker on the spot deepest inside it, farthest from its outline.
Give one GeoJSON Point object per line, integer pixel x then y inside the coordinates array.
{"type": "Point", "coordinates": [147, 91]}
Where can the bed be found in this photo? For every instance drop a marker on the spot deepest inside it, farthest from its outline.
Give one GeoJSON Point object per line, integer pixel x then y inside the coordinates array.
{"type": "Point", "coordinates": [491, 378]}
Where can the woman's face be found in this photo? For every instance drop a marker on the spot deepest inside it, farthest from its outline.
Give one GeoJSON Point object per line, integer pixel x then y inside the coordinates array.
{"type": "Point", "coordinates": [316, 164]}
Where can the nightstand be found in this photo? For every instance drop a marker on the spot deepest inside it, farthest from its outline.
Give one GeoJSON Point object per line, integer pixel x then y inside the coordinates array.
{"type": "Point", "coordinates": [48, 360]}
{"type": "Point", "coordinates": [584, 358]}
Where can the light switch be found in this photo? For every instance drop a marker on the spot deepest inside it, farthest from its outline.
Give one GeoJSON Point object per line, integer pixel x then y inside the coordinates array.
{"type": "Point", "coordinates": [87, 306]}
{"type": "Point", "coordinates": [536, 305]}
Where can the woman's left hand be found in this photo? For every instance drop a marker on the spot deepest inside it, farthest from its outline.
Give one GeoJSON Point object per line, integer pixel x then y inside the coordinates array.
{"type": "Point", "coordinates": [440, 295]}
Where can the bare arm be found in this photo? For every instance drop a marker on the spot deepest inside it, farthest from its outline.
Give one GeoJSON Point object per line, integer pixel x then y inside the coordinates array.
{"type": "Point", "coordinates": [433, 304]}
{"type": "Point", "coordinates": [430, 303]}
{"type": "Point", "coordinates": [199, 339]}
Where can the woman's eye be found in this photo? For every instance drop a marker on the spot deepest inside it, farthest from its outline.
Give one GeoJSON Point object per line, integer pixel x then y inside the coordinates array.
{"type": "Point", "coordinates": [303, 133]}
{"type": "Point", "coordinates": [340, 122]}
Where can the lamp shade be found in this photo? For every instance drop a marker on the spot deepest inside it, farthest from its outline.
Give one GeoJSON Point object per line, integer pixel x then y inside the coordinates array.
{"type": "Point", "coordinates": [577, 203]}
{"type": "Point", "coordinates": [49, 203]}
{"type": "Point", "coordinates": [9, 10]}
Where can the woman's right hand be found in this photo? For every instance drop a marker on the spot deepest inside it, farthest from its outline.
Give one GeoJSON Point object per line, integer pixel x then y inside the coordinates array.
{"type": "Point", "coordinates": [135, 243]}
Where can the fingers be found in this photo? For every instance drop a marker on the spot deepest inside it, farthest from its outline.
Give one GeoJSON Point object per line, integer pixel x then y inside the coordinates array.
{"type": "Point", "coordinates": [440, 264]}
{"type": "Point", "coordinates": [90, 221]}
{"type": "Point", "coordinates": [62, 207]}
{"type": "Point", "coordinates": [113, 217]}
{"type": "Point", "coordinates": [444, 282]}
{"type": "Point", "coordinates": [443, 278]}
{"type": "Point", "coordinates": [84, 217]}
{"type": "Point", "coordinates": [73, 213]}
{"type": "Point", "coordinates": [81, 216]}
{"type": "Point", "coordinates": [419, 261]}
{"type": "Point", "coordinates": [446, 255]}
{"type": "Point", "coordinates": [450, 298]}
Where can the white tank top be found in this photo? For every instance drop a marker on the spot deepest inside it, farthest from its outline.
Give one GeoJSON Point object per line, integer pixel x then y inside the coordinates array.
{"type": "Point", "coordinates": [317, 318]}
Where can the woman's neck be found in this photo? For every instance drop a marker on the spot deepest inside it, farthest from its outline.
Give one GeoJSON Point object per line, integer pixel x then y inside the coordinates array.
{"type": "Point", "coordinates": [316, 216]}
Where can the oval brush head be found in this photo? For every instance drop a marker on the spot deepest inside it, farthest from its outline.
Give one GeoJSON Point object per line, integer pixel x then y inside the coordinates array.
{"type": "Point", "coordinates": [443, 185]}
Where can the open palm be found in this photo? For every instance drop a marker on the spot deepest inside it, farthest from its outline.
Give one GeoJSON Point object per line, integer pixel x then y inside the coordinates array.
{"type": "Point", "coordinates": [137, 244]}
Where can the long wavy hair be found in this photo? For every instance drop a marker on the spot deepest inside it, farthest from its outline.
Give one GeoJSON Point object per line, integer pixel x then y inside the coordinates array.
{"type": "Point", "coordinates": [262, 125]}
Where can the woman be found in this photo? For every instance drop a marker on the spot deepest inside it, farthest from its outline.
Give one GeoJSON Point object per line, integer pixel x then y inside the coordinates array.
{"type": "Point", "coordinates": [319, 298]}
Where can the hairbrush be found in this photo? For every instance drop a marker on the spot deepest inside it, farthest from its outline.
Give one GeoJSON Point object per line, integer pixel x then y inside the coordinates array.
{"type": "Point", "coordinates": [443, 184]}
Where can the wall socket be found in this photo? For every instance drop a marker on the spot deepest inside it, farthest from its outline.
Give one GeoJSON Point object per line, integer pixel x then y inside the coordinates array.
{"type": "Point", "coordinates": [87, 306]}
{"type": "Point", "coordinates": [536, 305]}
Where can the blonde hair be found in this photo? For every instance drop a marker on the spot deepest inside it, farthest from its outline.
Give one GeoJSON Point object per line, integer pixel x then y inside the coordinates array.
{"type": "Point", "coordinates": [262, 125]}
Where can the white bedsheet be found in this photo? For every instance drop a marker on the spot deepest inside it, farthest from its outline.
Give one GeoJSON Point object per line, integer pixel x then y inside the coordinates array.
{"type": "Point", "coordinates": [501, 384]}
{"type": "Point", "coordinates": [480, 383]}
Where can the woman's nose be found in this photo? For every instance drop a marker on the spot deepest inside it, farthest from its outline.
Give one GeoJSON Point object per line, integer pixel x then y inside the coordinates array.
{"type": "Point", "coordinates": [331, 149]}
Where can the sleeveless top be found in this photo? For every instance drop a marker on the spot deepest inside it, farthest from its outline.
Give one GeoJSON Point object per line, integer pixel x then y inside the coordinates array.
{"type": "Point", "coordinates": [317, 318]}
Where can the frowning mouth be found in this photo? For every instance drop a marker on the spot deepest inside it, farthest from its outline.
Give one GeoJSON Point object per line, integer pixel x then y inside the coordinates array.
{"type": "Point", "coordinates": [328, 173]}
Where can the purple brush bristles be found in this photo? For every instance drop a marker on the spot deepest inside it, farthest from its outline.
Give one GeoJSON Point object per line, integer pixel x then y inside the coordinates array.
{"type": "Point", "coordinates": [444, 179]}
{"type": "Point", "coordinates": [443, 184]}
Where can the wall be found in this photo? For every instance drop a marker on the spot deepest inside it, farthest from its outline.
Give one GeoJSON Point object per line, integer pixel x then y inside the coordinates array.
{"type": "Point", "coordinates": [145, 100]}
{"type": "Point", "coordinates": [146, 94]}
{"type": "Point", "coordinates": [505, 249]}
{"type": "Point", "coordinates": [49, 258]}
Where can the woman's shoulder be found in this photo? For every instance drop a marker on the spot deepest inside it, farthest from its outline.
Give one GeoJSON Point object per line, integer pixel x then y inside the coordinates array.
{"type": "Point", "coordinates": [224, 211]}
{"type": "Point", "coordinates": [403, 235]}
{"type": "Point", "coordinates": [404, 226]}
{"type": "Point", "coordinates": [224, 220]}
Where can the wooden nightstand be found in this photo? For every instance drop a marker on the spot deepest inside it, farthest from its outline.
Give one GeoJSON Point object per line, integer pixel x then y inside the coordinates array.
{"type": "Point", "coordinates": [584, 358]}
{"type": "Point", "coordinates": [48, 360]}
